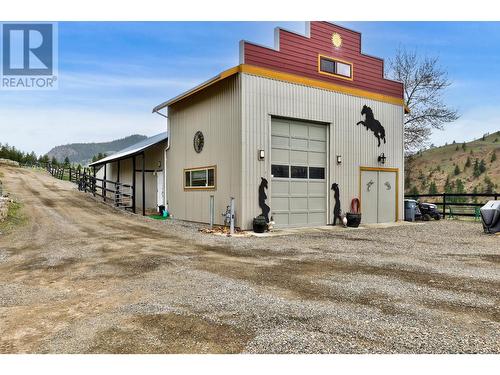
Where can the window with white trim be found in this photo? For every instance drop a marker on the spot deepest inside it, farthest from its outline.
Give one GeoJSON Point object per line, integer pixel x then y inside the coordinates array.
{"type": "Point", "coordinates": [335, 67]}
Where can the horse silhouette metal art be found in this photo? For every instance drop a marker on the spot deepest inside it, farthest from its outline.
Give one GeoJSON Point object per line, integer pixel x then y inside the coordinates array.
{"type": "Point", "coordinates": [372, 124]}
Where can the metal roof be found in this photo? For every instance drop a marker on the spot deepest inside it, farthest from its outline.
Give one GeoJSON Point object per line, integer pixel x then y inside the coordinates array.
{"type": "Point", "coordinates": [134, 149]}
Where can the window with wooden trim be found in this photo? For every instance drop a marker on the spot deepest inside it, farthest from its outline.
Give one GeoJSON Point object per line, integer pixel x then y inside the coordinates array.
{"type": "Point", "coordinates": [199, 178]}
{"type": "Point", "coordinates": [328, 65]}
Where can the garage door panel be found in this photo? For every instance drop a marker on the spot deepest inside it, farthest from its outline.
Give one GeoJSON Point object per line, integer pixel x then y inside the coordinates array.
{"type": "Point", "coordinates": [298, 219]}
{"type": "Point", "coordinates": [319, 146]}
{"type": "Point", "coordinates": [317, 203]}
{"type": "Point", "coordinates": [299, 144]}
{"type": "Point", "coordinates": [280, 156]}
{"type": "Point", "coordinates": [298, 188]}
{"type": "Point", "coordinates": [280, 187]}
{"type": "Point", "coordinates": [280, 142]}
{"type": "Point", "coordinates": [317, 159]}
{"type": "Point", "coordinates": [281, 203]}
{"type": "Point", "coordinates": [317, 188]}
{"type": "Point", "coordinates": [281, 218]}
{"type": "Point", "coordinates": [298, 157]}
{"type": "Point", "coordinates": [317, 132]}
{"type": "Point", "coordinates": [298, 131]}
{"type": "Point", "coordinates": [298, 203]}
{"type": "Point", "coordinates": [317, 218]}
{"type": "Point", "coordinates": [280, 128]}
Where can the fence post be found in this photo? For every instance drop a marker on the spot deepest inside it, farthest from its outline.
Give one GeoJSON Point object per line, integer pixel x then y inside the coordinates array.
{"type": "Point", "coordinates": [70, 174]}
{"type": "Point", "coordinates": [444, 206]}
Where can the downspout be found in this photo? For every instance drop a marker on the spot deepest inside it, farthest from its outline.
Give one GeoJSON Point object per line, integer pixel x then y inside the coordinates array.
{"type": "Point", "coordinates": [165, 195]}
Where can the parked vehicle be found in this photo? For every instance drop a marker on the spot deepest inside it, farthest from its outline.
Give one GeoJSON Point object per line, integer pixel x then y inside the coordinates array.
{"type": "Point", "coordinates": [427, 211]}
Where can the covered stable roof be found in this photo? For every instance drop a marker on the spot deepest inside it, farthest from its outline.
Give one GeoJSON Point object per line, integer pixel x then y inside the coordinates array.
{"type": "Point", "coordinates": [133, 150]}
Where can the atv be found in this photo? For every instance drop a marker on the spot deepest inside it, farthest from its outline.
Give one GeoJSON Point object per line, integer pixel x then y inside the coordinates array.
{"type": "Point", "coordinates": [426, 211]}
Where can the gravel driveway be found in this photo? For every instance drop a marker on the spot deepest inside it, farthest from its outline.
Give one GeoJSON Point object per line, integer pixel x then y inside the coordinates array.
{"type": "Point", "coordinates": [81, 277]}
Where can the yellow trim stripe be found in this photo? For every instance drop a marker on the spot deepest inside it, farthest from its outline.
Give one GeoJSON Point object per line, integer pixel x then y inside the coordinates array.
{"type": "Point", "coordinates": [292, 78]}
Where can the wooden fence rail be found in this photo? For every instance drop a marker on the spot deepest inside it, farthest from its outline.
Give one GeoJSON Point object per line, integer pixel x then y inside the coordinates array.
{"type": "Point", "coordinates": [457, 204]}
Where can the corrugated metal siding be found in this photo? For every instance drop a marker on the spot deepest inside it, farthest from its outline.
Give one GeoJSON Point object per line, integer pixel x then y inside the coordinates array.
{"type": "Point", "coordinates": [216, 112]}
{"type": "Point", "coordinates": [263, 98]}
{"type": "Point", "coordinates": [299, 55]}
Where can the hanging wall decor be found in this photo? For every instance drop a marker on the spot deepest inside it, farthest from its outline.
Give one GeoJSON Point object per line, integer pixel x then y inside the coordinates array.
{"type": "Point", "coordinates": [372, 124]}
{"type": "Point", "coordinates": [336, 208]}
{"type": "Point", "coordinates": [198, 141]}
{"type": "Point", "coordinates": [262, 199]}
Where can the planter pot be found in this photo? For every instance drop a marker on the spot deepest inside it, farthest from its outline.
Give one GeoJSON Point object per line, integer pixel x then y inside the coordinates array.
{"type": "Point", "coordinates": [259, 224]}
{"type": "Point", "coordinates": [353, 220]}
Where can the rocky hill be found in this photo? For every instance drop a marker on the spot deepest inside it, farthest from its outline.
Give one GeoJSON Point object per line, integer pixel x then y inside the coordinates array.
{"type": "Point", "coordinates": [83, 152]}
{"type": "Point", "coordinates": [456, 168]}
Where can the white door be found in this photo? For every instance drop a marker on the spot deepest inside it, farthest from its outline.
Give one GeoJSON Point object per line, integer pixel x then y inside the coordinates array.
{"type": "Point", "coordinates": [159, 189]}
{"type": "Point", "coordinates": [378, 196]}
{"type": "Point", "coordinates": [369, 197]}
{"type": "Point", "coordinates": [386, 197]}
{"type": "Point", "coordinates": [298, 173]}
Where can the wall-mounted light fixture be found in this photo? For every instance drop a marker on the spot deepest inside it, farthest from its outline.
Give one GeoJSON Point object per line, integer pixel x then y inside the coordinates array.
{"type": "Point", "coordinates": [381, 158]}
{"type": "Point", "coordinates": [262, 154]}
{"type": "Point", "coordinates": [339, 159]}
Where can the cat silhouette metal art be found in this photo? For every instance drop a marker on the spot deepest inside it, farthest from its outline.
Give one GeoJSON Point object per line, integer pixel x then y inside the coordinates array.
{"type": "Point", "coordinates": [262, 199]}
{"type": "Point", "coordinates": [336, 208]}
{"type": "Point", "coordinates": [372, 124]}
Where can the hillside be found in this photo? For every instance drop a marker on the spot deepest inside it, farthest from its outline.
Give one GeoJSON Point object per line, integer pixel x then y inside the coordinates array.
{"type": "Point", "coordinates": [439, 164]}
{"type": "Point", "coordinates": [83, 152]}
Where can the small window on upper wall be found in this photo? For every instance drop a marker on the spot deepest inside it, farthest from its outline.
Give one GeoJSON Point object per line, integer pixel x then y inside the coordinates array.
{"type": "Point", "coordinates": [335, 67]}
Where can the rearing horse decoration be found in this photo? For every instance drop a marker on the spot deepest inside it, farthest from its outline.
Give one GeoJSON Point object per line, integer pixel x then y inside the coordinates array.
{"type": "Point", "coordinates": [372, 124]}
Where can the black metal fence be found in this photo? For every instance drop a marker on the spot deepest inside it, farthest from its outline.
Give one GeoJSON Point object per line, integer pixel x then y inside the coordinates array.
{"type": "Point", "coordinates": [452, 205]}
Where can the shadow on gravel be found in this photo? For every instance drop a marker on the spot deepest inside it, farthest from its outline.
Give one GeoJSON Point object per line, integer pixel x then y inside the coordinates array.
{"type": "Point", "coordinates": [170, 333]}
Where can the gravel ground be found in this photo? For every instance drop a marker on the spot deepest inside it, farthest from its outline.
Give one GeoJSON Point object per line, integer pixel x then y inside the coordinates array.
{"type": "Point", "coordinates": [81, 277]}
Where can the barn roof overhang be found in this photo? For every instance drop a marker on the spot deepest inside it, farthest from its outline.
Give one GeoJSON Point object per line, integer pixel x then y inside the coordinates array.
{"type": "Point", "coordinates": [131, 151]}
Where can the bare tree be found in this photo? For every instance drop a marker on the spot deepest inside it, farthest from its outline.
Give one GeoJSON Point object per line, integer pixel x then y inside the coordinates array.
{"type": "Point", "coordinates": [424, 84]}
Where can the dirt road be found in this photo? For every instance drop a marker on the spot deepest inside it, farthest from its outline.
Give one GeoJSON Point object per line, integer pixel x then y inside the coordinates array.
{"type": "Point", "coordinates": [81, 277]}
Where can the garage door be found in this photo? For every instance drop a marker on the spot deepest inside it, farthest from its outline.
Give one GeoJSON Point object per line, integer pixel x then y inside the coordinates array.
{"type": "Point", "coordinates": [378, 196]}
{"type": "Point", "coordinates": [298, 173]}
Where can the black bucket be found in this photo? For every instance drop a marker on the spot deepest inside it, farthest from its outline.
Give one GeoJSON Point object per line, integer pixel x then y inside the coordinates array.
{"type": "Point", "coordinates": [353, 220]}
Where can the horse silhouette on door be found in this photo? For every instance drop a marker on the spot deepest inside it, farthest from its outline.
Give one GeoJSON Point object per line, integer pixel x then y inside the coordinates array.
{"type": "Point", "coordinates": [372, 124]}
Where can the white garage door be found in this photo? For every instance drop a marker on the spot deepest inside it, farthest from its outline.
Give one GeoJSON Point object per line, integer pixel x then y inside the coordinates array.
{"type": "Point", "coordinates": [298, 173]}
{"type": "Point", "coordinates": [378, 196]}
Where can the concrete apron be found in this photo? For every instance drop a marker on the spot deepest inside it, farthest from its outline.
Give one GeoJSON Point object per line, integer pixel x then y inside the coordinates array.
{"type": "Point", "coordinates": [324, 228]}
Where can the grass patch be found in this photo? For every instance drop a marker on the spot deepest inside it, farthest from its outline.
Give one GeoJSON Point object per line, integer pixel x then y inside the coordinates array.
{"type": "Point", "coordinates": [14, 218]}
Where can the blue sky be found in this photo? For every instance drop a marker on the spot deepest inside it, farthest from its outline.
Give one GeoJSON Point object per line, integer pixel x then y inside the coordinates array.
{"type": "Point", "coordinates": [112, 74]}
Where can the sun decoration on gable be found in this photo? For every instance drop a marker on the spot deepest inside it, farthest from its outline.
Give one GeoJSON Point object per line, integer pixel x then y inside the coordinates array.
{"type": "Point", "coordinates": [336, 40]}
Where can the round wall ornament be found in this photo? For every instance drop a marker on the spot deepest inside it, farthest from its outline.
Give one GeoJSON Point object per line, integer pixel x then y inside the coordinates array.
{"type": "Point", "coordinates": [336, 40]}
{"type": "Point", "coordinates": [198, 141]}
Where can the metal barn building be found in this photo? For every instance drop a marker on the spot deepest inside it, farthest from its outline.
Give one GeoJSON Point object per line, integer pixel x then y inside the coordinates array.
{"type": "Point", "coordinates": [284, 126]}
{"type": "Point", "coordinates": [136, 171]}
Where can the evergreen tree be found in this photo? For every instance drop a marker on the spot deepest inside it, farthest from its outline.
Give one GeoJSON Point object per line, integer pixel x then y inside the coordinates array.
{"type": "Point", "coordinates": [414, 191]}
{"type": "Point", "coordinates": [433, 188]}
{"type": "Point", "coordinates": [67, 163]}
{"type": "Point", "coordinates": [467, 163]}
{"type": "Point", "coordinates": [482, 166]}
{"type": "Point", "coordinates": [476, 171]}
{"type": "Point", "coordinates": [54, 161]}
{"type": "Point", "coordinates": [464, 146]}
{"type": "Point", "coordinates": [493, 157]}
{"type": "Point", "coordinates": [457, 148]}
{"type": "Point", "coordinates": [457, 170]}
{"type": "Point", "coordinates": [489, 185]}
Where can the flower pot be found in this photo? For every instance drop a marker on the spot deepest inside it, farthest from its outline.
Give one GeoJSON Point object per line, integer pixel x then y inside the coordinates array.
{"type": "Point", "coordinates": [259, 224]}
{"type": "Point", "coordinates": [353, 220]}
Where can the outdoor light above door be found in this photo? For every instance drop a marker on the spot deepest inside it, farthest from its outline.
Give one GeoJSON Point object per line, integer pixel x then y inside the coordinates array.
{"type": "Point", "coordinates": [339, 159]}
{"type": "Point", "coordinates": [381, 158]}
{"type": "Point", "coordinates": [262, 154]}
